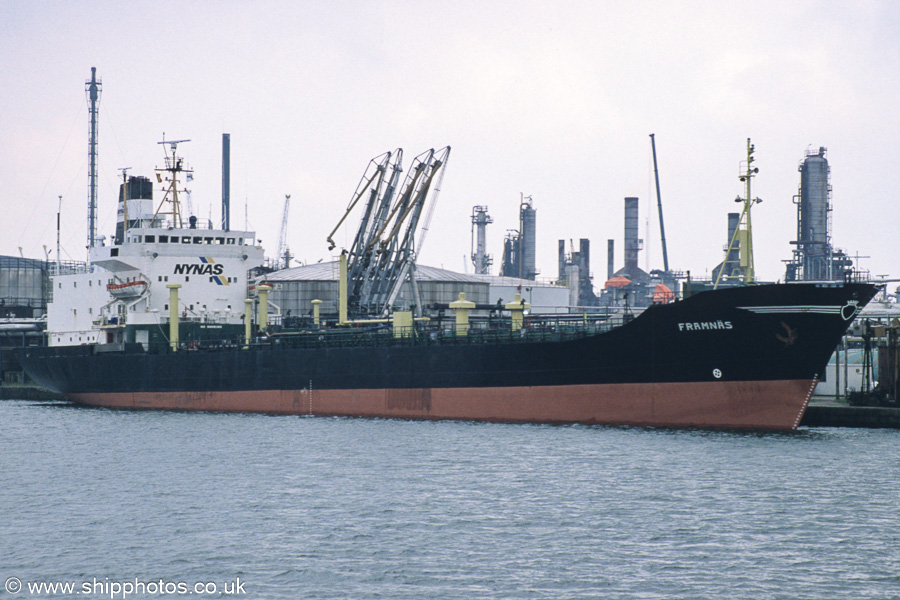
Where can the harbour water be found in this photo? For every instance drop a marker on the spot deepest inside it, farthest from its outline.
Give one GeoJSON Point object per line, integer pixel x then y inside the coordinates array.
{"type": "Point", "coordinates": [286, 507]}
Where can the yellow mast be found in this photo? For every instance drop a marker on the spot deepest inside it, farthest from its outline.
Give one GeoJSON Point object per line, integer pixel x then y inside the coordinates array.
{"type": "Point", "coordinates": [747, 247]}
{"type": "Point", "coordinates": [743, 233]}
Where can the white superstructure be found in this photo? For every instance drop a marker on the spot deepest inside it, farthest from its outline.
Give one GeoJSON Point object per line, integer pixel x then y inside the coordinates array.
{"type": "Point", "coordinates": [121, 294]}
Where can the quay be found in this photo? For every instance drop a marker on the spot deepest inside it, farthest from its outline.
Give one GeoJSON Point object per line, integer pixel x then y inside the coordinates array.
{"type": "Point", "coordinates": [834, 413]}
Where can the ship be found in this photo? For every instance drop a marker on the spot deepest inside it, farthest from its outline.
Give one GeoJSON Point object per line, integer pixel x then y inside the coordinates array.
{"type": "Point", "coordinates": [173, 314]}
{"type": "Point", "coordinates": [735, 358]}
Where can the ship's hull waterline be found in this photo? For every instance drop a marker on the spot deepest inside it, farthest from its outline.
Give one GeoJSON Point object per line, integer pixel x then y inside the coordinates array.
{"type": "Point", "coordinates": [744, 358]}
{"type": "Point", "coordinates": [771, 405]}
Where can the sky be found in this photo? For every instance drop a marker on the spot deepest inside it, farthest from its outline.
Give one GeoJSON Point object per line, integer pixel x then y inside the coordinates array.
{"type": "Point", "coordinates": [552, 99]}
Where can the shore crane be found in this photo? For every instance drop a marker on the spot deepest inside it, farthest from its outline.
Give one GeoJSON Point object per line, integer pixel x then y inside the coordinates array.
{"type": "Point", "coordinates": [284, 253]}
{"type": "Point", "coordinates": [382, 255]}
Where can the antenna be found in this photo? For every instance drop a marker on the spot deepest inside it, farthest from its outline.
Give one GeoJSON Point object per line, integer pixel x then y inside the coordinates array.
{"type": "Point", "coordinates": [173, 144]}
{"type": "Point", "coordinates": [93, 89]}
{"type": "Point", "coordinates": [58, 213]}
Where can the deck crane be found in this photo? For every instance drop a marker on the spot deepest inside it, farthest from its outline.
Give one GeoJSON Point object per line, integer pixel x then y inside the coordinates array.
{"type": "Point", "coordinates": [284, 253]}
{"type": "Point", "coordinates": [383, 252]}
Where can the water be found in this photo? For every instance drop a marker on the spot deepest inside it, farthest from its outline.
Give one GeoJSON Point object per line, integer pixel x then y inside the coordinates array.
{"type": "Point", "coordinates": [351, 508]}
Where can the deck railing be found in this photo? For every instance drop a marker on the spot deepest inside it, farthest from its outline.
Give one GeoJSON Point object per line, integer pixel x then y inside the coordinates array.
{"type": "Point", "coordinates": [421, 334]}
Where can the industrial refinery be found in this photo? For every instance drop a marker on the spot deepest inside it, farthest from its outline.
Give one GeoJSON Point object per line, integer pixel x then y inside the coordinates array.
{"type": "Point", "coordinates": [814, 256]}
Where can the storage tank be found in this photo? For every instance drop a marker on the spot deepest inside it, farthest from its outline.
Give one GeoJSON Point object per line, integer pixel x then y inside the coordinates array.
{"type": "Point", "coordinates": [294, 289]}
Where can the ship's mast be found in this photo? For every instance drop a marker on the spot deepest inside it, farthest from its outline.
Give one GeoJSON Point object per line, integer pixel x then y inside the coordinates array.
{"type": "Point", "coordinates": [743, 233]}
{"type": "Point", "coordinates": [93, 89]}
{"type": "Point", "coordinates": [747, 246]}
{"type": "Point", "coordinates": [174, 166]}
{"type": "Point", "coordinates": [58, 225]}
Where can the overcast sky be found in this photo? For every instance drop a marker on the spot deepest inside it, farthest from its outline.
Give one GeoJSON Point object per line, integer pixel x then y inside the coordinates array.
{"type": "Point", "coordinates": [555, 100]}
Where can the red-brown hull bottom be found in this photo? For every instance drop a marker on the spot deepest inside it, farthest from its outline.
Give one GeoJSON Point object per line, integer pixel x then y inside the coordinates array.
{"type": "Point", "coordinates": [726, 404]}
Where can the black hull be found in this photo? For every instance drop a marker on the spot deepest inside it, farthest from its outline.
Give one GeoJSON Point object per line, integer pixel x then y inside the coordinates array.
{"type": "Point", "coordinates": [713, 343]}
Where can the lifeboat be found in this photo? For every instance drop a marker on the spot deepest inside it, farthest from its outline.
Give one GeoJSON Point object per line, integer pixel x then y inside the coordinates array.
{"type": "Point", "coordinates": [662, 294]}
{"type": "Point", "coordinates": [131, 289]}
{"type": "Point", "coordinates": [617, 282]}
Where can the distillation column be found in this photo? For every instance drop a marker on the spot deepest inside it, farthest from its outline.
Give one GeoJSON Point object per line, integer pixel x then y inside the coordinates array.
{"type": "Point", "coordinates": [480, 258]}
